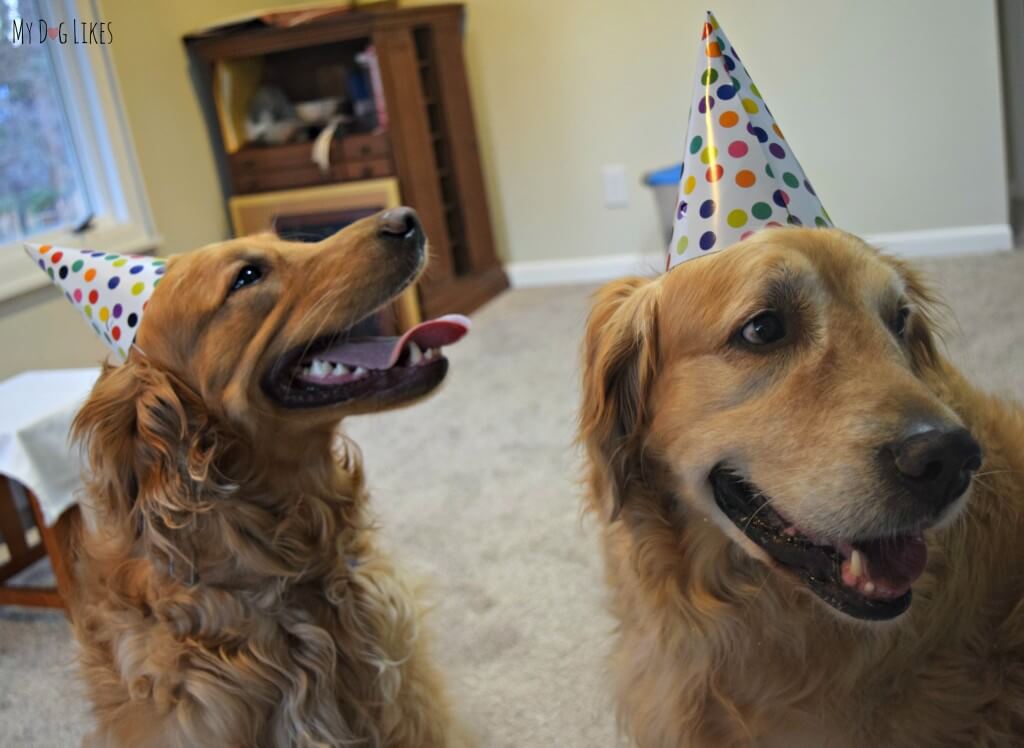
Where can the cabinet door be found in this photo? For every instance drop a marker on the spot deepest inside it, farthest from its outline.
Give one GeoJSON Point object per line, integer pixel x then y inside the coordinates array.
{"type": "Point", "coordinates": [438, 161]}
{"type": "Point", "coordinates": [412, 145]}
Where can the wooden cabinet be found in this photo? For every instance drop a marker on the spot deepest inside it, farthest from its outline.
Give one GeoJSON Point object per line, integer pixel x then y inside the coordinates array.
{"type": "Point", "coordinates": [430, 143]}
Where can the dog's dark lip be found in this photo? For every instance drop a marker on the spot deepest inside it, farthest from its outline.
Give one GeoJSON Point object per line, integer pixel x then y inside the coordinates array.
{"type": "Point", "coordinates": [816, 564]}
{"type": "Point", "coordinates": [380, 387]}
{"type": "Point", "coordinates": [384, 387]}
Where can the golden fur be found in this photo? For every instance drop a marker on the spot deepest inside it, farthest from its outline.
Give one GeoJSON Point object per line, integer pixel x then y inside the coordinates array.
{"type": "Point", "coordinates": [714, 647]}
{"type": "Point", "coordinates": [233, 594]}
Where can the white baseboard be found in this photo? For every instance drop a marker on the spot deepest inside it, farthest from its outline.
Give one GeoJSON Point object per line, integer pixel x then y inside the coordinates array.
{"type": "Point", "coordinates": [582, 270]}
{"type": "Point", "coordinates": [958, 240]}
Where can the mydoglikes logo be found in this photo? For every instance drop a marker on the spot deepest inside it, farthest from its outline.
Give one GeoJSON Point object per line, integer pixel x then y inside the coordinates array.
{"type": "Point", "coordinates": [74, 31]}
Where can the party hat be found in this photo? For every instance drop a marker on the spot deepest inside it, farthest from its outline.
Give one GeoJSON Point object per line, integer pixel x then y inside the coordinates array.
{"type": "Point", "coordinates": [739, 173]}
{"type": "Point", "coordinates": [110, 290]}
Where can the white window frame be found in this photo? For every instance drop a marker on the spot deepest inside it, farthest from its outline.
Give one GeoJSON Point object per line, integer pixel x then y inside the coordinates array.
{"type": "Point", "coordinates": [122, 221]}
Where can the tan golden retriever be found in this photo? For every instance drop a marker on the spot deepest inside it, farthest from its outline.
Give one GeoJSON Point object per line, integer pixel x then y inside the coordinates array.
{"type": "Point", "coordinates": [800, 547]}
{"type": "Point", "coordinates": [233, 594]}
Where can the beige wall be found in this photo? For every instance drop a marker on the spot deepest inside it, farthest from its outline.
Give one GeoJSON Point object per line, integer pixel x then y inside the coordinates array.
{"type": "Point", "coordinates": [892, 108]}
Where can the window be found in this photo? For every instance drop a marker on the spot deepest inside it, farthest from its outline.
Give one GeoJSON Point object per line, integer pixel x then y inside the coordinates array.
{"type": "Point", "coordinates": [67, 170]}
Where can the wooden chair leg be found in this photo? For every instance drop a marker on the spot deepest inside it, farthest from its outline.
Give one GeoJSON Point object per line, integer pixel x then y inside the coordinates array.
{"type": "Point", "coordinates": [10, 523]}
{"type": "Point", "coordinates": [58, 541]}
{"type": "Point", "coordinates": [22, 555]}
{"type": "Point", "coordinates": [55, 541]}
{"type": "Point", "coordinates": [32, 597]}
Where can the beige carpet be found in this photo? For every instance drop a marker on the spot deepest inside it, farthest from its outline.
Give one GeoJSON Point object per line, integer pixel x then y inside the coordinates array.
{"type": "Point", "coordinates": [476, 490]}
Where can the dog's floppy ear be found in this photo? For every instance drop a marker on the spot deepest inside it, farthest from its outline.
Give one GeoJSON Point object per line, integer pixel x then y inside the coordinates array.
{"type": "Point", "coordinates": [619, 363]}
{"type": "Point", "coordinates": [925, 325]}
{"type": "Point", "coordinates": [151, 447]}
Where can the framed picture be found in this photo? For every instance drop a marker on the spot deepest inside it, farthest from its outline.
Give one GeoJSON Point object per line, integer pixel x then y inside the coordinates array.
{"type": "Point", "coordinates": [314, 213]}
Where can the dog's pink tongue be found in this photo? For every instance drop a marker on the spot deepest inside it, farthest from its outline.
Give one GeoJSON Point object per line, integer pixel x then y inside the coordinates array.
{"type": "Point", "coordinates": [435, 333]}
{"type": "Point", "coordinates": [896, 562]}
{"type": "Point", "coordinates": [383, 353]}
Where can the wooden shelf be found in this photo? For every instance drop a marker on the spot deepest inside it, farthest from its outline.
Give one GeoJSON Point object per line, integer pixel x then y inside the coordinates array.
{"type": "Point", "coordinates": [431, 145]}
{"type": "Point", "coordinates": [359, 23]}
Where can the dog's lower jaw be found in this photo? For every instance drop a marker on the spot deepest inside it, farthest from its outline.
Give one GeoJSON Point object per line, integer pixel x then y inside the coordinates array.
{"type": "Point", "coordinates": [698, 510]}
{"type": "Point", "coordinates": [695, 503]}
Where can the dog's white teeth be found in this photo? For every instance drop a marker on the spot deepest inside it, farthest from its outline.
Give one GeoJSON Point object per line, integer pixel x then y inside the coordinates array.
{"type": "Point", "coordinates": [320, 368]}
{"type": "Point", "coordinates": [359, 373]}
{"type": "Point", "coordinates": [869, 587]}
{"type": "Point", "coordinates": [431, 354]}
{"type": "Point", "coordinates": [415, 354]}
{"type": "Point", "coordinates": [857, 563]}
{"type": "Point", "coordinates": [340, 370]}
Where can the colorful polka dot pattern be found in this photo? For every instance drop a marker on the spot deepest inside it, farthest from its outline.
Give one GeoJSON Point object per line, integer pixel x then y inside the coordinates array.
{"type": "Point", "coordinates": [110, 290]}
{"type": "Point", "coordinates": [739, 173]}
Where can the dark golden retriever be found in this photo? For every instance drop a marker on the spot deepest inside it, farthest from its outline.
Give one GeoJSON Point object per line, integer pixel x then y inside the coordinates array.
{"type": "Point", "coordinates": [802, 546]}
{"type": "Point", "coordinates": [233, 593]}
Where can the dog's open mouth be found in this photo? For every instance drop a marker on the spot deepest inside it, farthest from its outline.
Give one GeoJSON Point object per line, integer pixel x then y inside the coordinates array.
{"type": "Point", "coordinates": [867, 579]}
{"type": "Point", "coordinates": [340, 368]}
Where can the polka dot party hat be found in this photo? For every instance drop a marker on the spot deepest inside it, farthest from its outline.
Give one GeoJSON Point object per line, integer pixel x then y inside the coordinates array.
{"type": "Point", "coordinates": [739, 173]}
{"type": "Point", "coordinates": [110, 290]}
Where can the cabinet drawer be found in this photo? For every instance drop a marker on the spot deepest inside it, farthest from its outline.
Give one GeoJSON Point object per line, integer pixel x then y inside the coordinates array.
{"type": "Point", "coordinates": [366, 147]}
{"type": "Point", "coordinates": [368, 169]}
{"type": "Point", "coordinates": [282, 179]}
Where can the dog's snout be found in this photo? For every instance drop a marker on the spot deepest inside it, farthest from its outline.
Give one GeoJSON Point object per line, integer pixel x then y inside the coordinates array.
{"type": "Point", "coordinates": [936, 465]}
{"type": "Point", "coordinates": [398, 222]}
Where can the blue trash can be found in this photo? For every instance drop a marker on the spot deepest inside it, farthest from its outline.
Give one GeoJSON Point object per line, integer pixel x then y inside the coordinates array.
{"type": "Point", "coordinates": [665, 184]}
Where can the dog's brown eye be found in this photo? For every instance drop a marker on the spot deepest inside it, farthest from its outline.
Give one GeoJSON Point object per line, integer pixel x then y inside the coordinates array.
{"type": "Point", "coordinates": [247, 276]}
{"type": "Point", "coordinates": [899, 324]}
{"type": "Point", "coordinates": [765, 328]}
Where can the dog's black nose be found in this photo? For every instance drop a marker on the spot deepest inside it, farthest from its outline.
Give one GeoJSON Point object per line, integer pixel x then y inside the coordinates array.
{"type": "Point", "coordinates": [936, 465]}
{"type": "Point", "coordinates": [398, 222]}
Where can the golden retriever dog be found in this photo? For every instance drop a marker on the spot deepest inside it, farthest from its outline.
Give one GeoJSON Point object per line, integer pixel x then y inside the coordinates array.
{"type": "Point", "coordinates": [232, 593]}
{"type": "Point", "coordinates": [801, 545]}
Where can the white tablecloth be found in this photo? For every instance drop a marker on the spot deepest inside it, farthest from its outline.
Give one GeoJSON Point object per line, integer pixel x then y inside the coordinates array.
{"type": "Point", "coordinates": [36, 411]}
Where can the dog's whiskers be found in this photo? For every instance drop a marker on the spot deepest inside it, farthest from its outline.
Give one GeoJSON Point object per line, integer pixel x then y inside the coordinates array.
{"type": "Point", "coordinates": [309, 314]}
{"type": "Point", "coordinates": [317, 308]}
{"type": "Point", "coordinates": [997, 472]}
{"type": "Point", "coordinates": [766, 501]}
{"type": "Point", "coordinates": [983, 484]}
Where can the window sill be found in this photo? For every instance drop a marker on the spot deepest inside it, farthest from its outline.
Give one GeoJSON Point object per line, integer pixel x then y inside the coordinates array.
{"type": "Point", "coordinates": [19, 276]}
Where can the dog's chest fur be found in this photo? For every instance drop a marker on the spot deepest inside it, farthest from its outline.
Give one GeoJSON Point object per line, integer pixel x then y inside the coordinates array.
{"type": "Point", "coordinates": [304, 665]}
